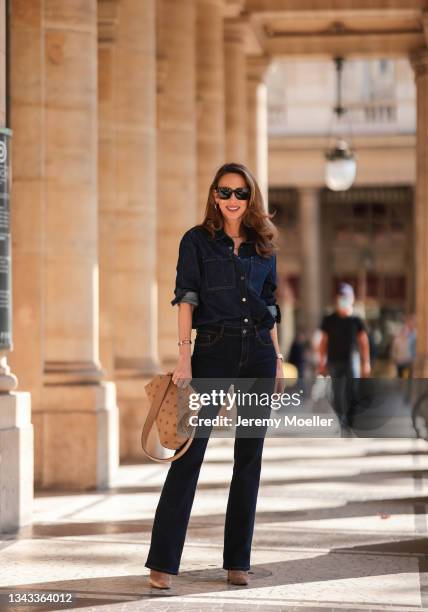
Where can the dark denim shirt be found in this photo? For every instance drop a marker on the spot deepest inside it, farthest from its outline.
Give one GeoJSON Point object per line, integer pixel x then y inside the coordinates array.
{"type": "Point", "coordinates": [226, 288]}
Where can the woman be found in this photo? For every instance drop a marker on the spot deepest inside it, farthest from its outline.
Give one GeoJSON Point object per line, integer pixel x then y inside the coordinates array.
{"type": "Point", "coordinates": [226, 278]}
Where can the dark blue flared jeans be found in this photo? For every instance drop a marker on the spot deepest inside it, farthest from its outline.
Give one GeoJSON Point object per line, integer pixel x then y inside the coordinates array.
{"type": "Point", "coordinates": [229, 354]}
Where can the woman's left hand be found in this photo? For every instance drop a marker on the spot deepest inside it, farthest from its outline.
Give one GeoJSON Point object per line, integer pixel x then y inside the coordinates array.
{"type": "Point", "coordinates": [279, 377]}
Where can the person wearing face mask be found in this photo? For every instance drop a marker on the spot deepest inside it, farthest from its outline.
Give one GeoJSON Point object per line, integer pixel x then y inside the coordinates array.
{"type": "Point", "coordinates": [344, 354]}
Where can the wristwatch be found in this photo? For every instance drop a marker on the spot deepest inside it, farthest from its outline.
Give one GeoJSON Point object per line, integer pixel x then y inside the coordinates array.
{"type": "Point", "coordinates": [280, 356]}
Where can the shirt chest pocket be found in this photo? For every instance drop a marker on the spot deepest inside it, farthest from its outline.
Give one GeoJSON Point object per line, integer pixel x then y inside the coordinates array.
{"type": "Point", "coordinates": [219, 273]}
{"type": "Point", "coordinates": [259, 269]}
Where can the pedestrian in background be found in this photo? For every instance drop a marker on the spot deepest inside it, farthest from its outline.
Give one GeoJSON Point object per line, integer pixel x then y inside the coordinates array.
{"type": "Point", "coordinates": [403, 349]}
{"type": "Point", "coordinates": [344, 354]}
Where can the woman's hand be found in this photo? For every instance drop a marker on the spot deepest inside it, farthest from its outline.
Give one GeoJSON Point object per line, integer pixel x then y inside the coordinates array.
{"type": "Point", "coordinates": [279, 377]}
{"type": "Point", "coordinates": [365, 369]}
{"type": "Point", "coordinates": [182, 374]}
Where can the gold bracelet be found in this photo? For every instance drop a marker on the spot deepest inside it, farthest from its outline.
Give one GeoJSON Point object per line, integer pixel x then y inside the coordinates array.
{"type": "Point", "coordinates": [180, 342]}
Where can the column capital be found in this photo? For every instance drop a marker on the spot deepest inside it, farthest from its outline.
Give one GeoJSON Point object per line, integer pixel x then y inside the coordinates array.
{"type": "Point", "coordinates": [419, 62]}
{"type": "Point", "coordinates": [73, 372]}
{"type": "Point", "coordinates": [233, 8]}
{"type": "Point", "coordinates": [257, 66]}
{"type": "Point", "coordinates": [235, 30]}
{"type": "Point", "coordinates": [108, 17]}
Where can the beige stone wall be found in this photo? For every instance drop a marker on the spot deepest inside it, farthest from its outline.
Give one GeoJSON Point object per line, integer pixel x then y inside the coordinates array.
{"type": "Point", "coordinates": [210, 95]}
{"type": "Point", "coordinates": [235, 91]}
{"type": "Point", "coordinates": [108, 15]}
{"type": "Point", "coordinates": [176, 153]}
{"type": "Point", "coordinates": [55, 230]}
{"type": "Point", "coordinates": [70, 160]}
{"type": "Point", "coordinates": [132, 239]}
{"type": "Point", "coordinates": [257, 122]}
{"type": "Point", "coordinates": [27, 209]}
{"type": "Point", "coordinates": [420, 65]}
{"type": "Point", "coordinates": [135, 317]}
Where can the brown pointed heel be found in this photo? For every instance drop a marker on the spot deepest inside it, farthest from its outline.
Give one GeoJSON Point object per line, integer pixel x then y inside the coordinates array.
{"type": "Point", "coordinates": [238, 577]}
{"type": "Point", "coordinates": [160, 580]}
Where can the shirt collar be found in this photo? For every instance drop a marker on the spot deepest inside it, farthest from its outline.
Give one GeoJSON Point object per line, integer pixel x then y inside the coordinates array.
{"type": "Point", "coordinates": [220, 234]}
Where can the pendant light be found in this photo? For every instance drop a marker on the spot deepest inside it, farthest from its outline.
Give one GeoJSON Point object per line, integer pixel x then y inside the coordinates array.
{"type": "Point", "coordinates": [341, 166]}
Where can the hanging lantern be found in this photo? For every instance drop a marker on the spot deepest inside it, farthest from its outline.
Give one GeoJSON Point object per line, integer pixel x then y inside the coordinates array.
{"type": "Point", "coordinates": [341, 166]}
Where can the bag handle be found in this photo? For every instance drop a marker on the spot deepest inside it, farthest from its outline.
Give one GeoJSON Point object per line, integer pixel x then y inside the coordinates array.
{"type": "Point", "coordinates": [150, 421]}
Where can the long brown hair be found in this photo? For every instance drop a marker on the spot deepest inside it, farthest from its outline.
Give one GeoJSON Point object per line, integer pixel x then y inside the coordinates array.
{"type": "Point", "coordinates": [256, 220]}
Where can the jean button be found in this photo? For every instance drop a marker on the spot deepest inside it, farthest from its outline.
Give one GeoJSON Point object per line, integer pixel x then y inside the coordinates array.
{"type": "Point", "coordinates": [244, 299]}
{"type": "Point", "coordinates": [244, 331]}
{"type": "Point", "coordinates": [245, 320]}
{"type": "Point", "coordinates": [242, 277]}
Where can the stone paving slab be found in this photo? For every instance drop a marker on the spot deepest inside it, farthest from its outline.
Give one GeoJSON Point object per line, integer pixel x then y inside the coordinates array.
{"type": "Point", "coordinates": [339, 527]}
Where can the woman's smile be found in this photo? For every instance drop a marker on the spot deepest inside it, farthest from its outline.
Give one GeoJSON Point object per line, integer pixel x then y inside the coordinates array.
{"type": "Point", "coordinates": [232, 208]}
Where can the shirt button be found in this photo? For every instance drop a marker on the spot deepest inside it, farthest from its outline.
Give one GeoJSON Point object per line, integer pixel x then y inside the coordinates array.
{"type": "Point", "coordinates": [230, 248]}
{"type": "Point", "coordinates": [245, 320]}
{"type": "Point", "coordinates": [244, 299]}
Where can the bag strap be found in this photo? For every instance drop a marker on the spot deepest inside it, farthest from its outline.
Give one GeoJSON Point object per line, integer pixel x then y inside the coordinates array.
{"type": "Point", "coordinates": [151, 418]}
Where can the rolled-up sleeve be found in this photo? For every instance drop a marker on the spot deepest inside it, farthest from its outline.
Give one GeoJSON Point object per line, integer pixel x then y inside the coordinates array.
{"type": "Point", "coordinates": [268, 292]}
{"type": "Point", "coordinates": [188, 278]}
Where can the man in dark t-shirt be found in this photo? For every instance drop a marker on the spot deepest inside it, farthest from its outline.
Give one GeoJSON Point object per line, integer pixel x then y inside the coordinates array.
{"type": "Point", "coordinates": [342, 333]}
{"type": "Point", "coordinates": [344, 353]}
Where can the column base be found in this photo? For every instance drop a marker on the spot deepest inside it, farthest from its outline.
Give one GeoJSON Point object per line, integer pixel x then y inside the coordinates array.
{"type": "Point", "coordinates": [128, 367]}
{"type": "Point", "coordinates": [72, 372]}
{"type": "Point", "coordinates": [77, 433]}
{"type": "Point", "coordinates": [16, 456]}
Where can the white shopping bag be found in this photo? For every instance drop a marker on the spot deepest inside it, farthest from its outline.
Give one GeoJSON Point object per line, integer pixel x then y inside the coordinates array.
{"type": "Point", "coordinates": [321, 388]}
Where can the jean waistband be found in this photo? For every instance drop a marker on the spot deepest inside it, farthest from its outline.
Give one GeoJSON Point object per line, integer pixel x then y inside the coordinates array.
{"type": "Point", "coordinates": [229, 330]}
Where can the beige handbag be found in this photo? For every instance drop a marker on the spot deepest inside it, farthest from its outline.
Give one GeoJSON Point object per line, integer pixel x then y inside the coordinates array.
{"type": "Point", "coordinates": [169, 411]}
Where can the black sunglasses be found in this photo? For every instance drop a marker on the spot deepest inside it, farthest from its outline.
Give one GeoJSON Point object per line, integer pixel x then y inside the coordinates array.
{"type": "Point", "coordinates": [241, 193]}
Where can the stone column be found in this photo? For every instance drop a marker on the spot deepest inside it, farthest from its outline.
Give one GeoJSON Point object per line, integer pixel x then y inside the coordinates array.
{"type": "Point", "coordinates": [209, 95]}
{"type": "Point", "coordinates": [108, 15]}
{"type": "Point", "coordinates": [16, 430]}
{"type": "Point", "coordinates": [128, 173]}
{"type": "Point", "coordinates": [76, 423]}
{"type": "Point", "coordinates": [235, 90]}
{"type": "Point", "coordinates": [176, 154]}
{"type": "Point", "coordinates": [311, 271]}
{"type": "Point", "coordinates": [419, 62]}
{"type": "Point", "coordinates": [257, 137]}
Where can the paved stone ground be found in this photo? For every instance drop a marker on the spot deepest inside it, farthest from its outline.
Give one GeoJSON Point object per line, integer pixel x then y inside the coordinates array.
{"type": "Point", "coordinates": [341, 525]}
